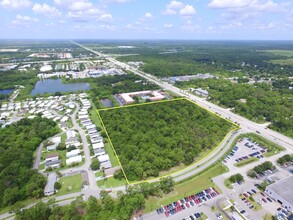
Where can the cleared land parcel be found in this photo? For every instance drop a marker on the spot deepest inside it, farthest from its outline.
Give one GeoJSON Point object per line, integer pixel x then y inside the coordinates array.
{"type": "Point", "coordinates": [155, 137]}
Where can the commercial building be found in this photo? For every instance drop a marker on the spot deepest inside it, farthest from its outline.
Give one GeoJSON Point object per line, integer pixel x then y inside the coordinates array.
{"type": "Point", "coordinates": [200, 91]}
{"type": "Point", "coordinates": [282, 192]}
{"type": "Point", "coordinates": [151, 95]}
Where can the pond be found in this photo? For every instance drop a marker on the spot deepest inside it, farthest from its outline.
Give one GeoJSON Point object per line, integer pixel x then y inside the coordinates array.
{"type": "Point", "coordinates": [5, 91]}
{"type": "Point", "coordinates": [56, 85]}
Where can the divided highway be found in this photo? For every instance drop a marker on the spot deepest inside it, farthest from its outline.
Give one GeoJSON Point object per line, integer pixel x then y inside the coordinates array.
{"type": "Point", "coordinates": [245, 124]}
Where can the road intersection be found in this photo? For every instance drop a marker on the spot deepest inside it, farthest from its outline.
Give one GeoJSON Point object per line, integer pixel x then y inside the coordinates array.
{"type": "Point", "coordinates": [246, 125]}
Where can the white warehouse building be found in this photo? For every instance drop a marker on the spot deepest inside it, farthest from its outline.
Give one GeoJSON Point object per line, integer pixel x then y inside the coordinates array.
{"type": "Point", "coordinates": [282, 192]}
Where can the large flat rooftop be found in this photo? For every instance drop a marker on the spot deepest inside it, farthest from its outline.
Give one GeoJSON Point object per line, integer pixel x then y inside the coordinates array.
{"type": "Point", "coordinates": [283, 188]}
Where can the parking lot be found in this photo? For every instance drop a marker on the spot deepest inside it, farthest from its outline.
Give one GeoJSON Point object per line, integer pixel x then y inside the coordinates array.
{"type": "Point", "coordinates": [241, 193]}
{"type": "Point", "coordinates": [243, 150]}
{"type": "Point", "coordinates": [185, 203]}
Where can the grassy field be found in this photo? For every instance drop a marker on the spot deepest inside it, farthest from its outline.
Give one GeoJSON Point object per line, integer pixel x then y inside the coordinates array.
{"type": "Point", "coordinates": [270, 146]}
{"type": "Point", "coordinates": [287, 53]}
{"type": "Point", "coordinates": [111, 182]}
{"type": "Point", "coordinates": [228, 183]}
{"type": "Point", "coordinates": [268, 217]}
{"type": "Point", "coordinates": [254, 203]}
{"type": "Point", "coordinates": [23, 203]}
{"type": "Point", "coordinates": [245, 162]}
{"type": "Point", "coordinates": [191, 186]}
{"type": "Point", "coordinates": [288, 61]}
{"type": "Point", "coordinates": [70, 184]}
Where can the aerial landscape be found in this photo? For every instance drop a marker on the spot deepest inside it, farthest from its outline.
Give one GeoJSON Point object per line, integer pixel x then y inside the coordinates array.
{"type": "Point", "coordinates": [125, 109]}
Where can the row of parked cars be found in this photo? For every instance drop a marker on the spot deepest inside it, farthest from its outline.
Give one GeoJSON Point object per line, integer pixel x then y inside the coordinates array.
{"type": "Point", "coordinates": [185, 203]}
{"type": "Point", "coordinates": [284, 214]}
{"type": "Point", "coordinates": [257, 154]}
{"type": "Point", "coordinates": [245, 198]}
{"type": "Point", "coordinates": [193, 217]}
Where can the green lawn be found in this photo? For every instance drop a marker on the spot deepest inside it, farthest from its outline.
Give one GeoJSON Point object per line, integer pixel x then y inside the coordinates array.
{"type": "Point", "coordinates": [286, 62]}
{"type": "Point", "coordinates": [245, 162]}
{"type": "Point", "coordinates": [110, 152]}
{"type": "Point", "coordinates": [227, 183]}
{"type": "Point", "coordinates": [111, 182]}
{"type": "Point", "coordinates": [23, 203]}
{"type": "Point", "coordinates": [287, 53]}
{"type": "Point", "coordinates": [97, 174]}
{"type": "Point", "coordinates": [70, 184]}
{"type": "Point", "coordinates": [191, 186]}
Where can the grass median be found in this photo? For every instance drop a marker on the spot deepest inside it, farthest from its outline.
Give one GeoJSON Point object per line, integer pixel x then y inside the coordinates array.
{"type": "Point", "coordinates": [186, 188]}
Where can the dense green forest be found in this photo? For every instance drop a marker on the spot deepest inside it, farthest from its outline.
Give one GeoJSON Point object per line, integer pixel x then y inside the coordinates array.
{"type": "Point", "coordinates": [106, 86]}
{"type": "Point", "coordinates": [225, 59]}
{"type": "Point", "coordinates": [156, 137]}
{"type": "Point", "coordinates": [123, 207]}
{"type": "Point", "coordinates": [18, 143]}
{"type": "Point", "coordinates": [257, 102]}
{"type": "Point", "coordinates": [10, 78]}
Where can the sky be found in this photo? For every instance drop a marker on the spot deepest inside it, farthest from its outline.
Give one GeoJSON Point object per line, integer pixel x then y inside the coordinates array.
{"type": "Point", "coordinates": [147, 19]}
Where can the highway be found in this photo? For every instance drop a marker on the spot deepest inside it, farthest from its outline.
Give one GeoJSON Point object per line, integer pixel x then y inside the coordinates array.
{"type": "Point", "coordinates": [245, 124]}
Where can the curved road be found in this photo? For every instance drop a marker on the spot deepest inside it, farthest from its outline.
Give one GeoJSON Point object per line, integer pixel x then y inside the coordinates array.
{"type": "Point", "coordinates": [246, 125]}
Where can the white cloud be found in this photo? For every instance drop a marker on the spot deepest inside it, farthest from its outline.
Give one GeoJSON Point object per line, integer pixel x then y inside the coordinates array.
{"type": "Point", "coordinates": [172, 7]}
{"type": "Point", "coordinates": [23, 20]}
{"type": "Point", "coordinates": [270, 25]}
{"type": "Point", "coordinates": [46, 10]}
{"type": "Point", "coordinates": [115, 1]}
{"type": "Point", "coordinates": [107, 27]}
{"type": "Point", "coordinates": [148, 15]}
{"type": "Point", "coordinates": [15, 4]}
{"type": "Point", "coordinates": [258, 5]}
{"type": "Point", "coordinates": [168, 25]}
{"type": "Point", "coordinates": [84, 15]}
{"type": "Point", "coordinates": [105, 17]}
{"type": "Point", "coordinates": [229, 3]}
{"type": "Point", "coordinates": [188, 10]}
{"type": "Point", "coordinates": [74, 5]}
{"type": "Point", "coordinates": [175, 7]}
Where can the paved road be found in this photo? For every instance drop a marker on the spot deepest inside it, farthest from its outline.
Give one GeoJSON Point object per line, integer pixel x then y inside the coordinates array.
{"type": "Point", "coordinates": [38, 156]}
{"type": "Point", "coordinates": [247, 125]}
{"type": "Point", "coordinates": [92, 188]}
{"type": "Point", "coordinates": [211, 159]}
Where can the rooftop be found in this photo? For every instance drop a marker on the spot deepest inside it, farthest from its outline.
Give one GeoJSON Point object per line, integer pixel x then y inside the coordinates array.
{"type": "Point", "coordinates": [52, 178]}
{"type": "Point", "coordinates": [283, 188]}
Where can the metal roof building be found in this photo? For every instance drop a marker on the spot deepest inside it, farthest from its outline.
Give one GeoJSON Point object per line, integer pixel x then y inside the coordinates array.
{"type": "Point", "coordinates": [282, 192]}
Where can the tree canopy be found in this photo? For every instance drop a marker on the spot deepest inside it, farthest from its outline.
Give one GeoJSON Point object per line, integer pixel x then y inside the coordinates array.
{"type": "Point", "coordinates": [155, 137]}
{"type": "Point", "coordinates": [17, 145]}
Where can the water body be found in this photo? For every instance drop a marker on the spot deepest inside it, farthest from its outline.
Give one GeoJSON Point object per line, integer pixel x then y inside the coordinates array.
{"type": "Point", "coordinates": [56, 85]}
{"type": "Point", "coordinates": [5, 91]}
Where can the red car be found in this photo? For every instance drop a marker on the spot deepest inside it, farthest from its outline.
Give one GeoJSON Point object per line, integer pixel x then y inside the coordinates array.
{"type": "Point", "coordinates": [264, 200]}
